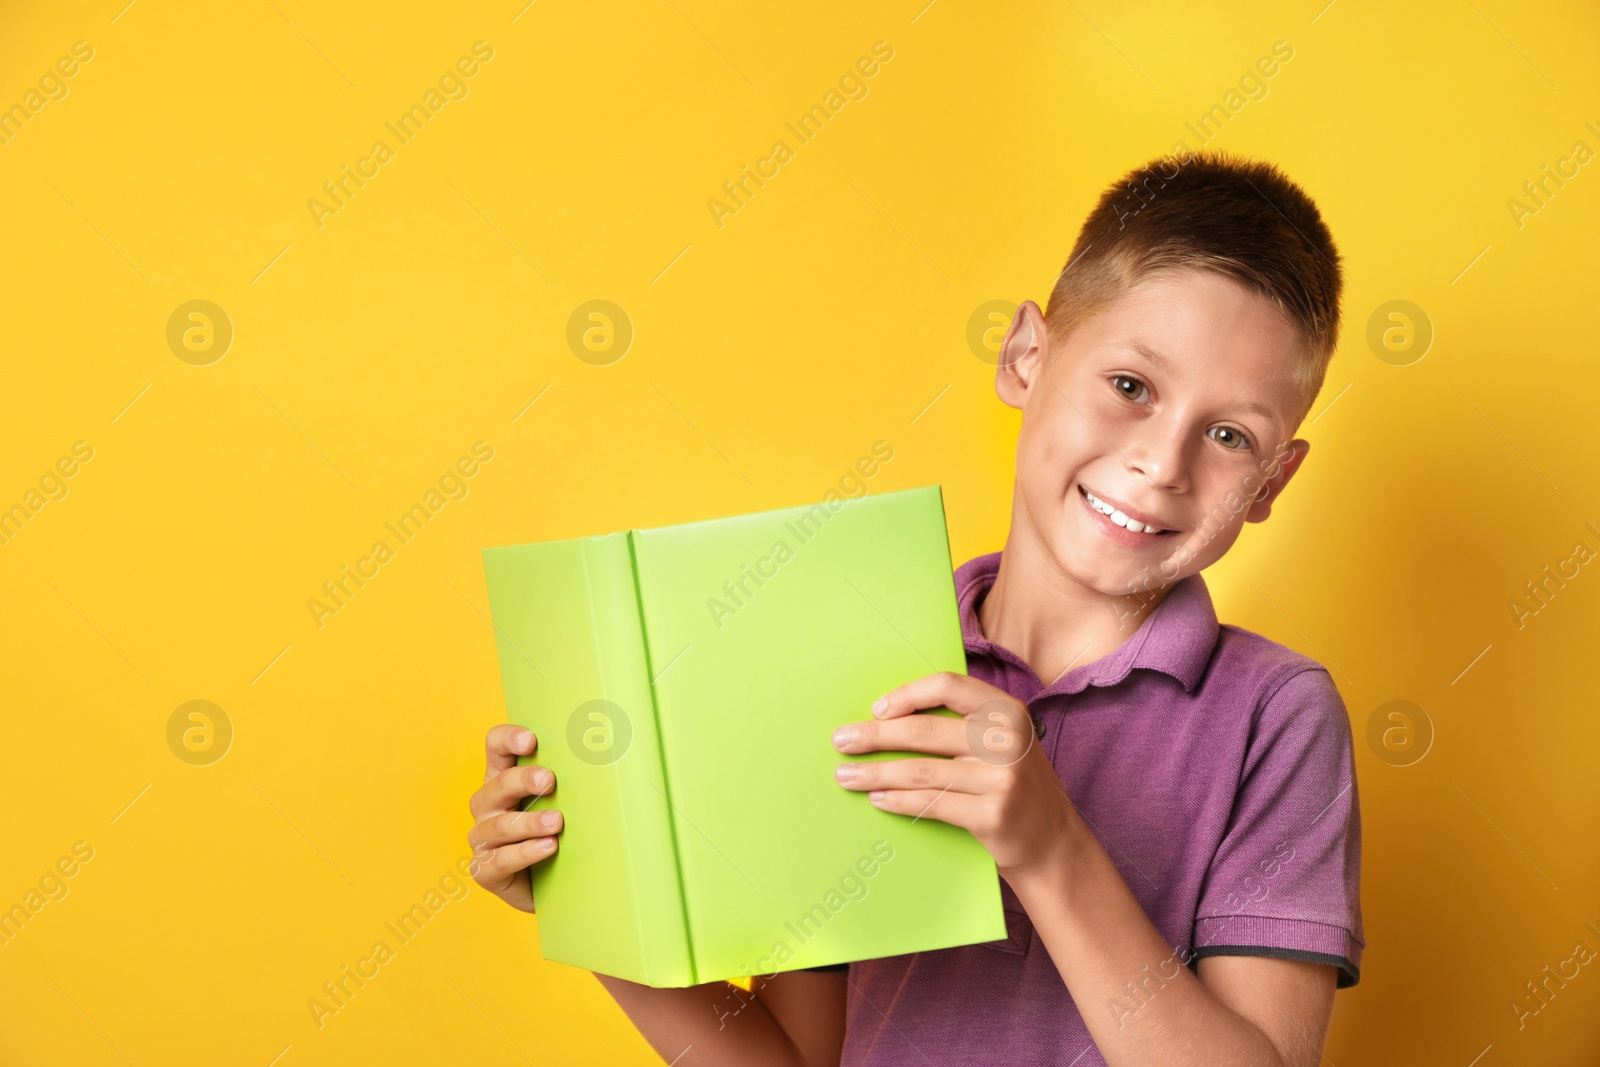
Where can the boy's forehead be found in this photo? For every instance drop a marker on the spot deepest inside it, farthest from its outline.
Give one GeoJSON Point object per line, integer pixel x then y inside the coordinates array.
{"type": "Point", "coordinates": [1202, 328]}
{"type": "Point", "coordinates": [1203, 307]}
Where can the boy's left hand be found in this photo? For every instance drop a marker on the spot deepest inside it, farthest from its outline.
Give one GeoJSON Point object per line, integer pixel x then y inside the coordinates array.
{"type": "Point", "coordinates": [1000, 785]}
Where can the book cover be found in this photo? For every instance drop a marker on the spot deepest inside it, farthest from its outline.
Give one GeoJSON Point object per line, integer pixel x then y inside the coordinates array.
{"type": "Point", "coordinates": [684, 683]}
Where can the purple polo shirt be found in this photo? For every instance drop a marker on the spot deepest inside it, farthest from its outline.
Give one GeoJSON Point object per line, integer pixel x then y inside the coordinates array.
{"type": "Point", "coordinates": [1215, 767]}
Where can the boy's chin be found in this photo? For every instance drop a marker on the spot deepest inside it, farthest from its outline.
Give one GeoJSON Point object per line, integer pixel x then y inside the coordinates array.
{"type": "Point", "coordinates": [1102, 572]}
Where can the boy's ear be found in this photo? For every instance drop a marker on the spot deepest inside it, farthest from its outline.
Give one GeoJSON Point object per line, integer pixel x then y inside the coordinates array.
{"type": "Point", "coordinates": [1277, 479]}
{"type": "Point", "coordinates": [1023, 352]}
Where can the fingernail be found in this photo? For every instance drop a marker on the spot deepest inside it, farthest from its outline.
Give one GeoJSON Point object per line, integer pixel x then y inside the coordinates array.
{"type": "Point", "coordinates": [545, 844]}
{"type": "Point", "coordinates": [548, 820]}
{"type": "Point", "coordinates": [843, 736]}
{"type": "Point", "coordinates": [524, 739]}
{"type": "Point", "coordinates": [876, 796]}
{"type": "Point", "coordinates": [880, 706]}
{"type": "Point", "coordinates": [541, 781]}
{"type": "Point", "coordinates": [846, 772]}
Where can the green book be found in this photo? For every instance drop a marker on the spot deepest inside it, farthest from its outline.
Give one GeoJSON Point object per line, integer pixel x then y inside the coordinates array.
{"type": "Point", "coordinates": [684, 683]}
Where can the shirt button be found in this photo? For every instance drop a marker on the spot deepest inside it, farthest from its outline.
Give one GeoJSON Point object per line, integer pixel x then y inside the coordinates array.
{"type": "Point", "coordinates": [1038, 728]}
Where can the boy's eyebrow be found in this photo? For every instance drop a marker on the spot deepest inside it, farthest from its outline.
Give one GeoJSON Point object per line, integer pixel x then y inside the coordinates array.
{"type": "Point", "coordinates": [1162, 363]}
{"type": "Point", "coordinates": [1258, 408]}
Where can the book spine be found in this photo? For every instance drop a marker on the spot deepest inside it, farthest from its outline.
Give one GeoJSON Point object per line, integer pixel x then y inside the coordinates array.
{"type": "Point", "coordinates": [572, 664]}
{"type": "Point", "coordinates": [660, 766]}
{"type": "Point", "coordinates": [643, 806]}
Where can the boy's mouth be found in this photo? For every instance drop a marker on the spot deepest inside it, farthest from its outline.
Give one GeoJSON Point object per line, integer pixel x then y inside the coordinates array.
{"type": "Point", "coordinates": [1120, 518]}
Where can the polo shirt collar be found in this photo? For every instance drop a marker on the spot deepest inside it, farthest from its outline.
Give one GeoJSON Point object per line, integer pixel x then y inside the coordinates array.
{"type": "Point", "coordinates": [1177, 638]}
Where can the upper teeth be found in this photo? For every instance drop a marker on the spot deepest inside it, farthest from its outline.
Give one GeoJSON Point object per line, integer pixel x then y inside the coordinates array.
{"type": "Point", "coordinates": [1118, 517]}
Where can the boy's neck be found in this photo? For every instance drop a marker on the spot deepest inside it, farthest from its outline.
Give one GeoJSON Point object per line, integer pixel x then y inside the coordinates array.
{"type": "Point", "coordinates": [1053, 622]}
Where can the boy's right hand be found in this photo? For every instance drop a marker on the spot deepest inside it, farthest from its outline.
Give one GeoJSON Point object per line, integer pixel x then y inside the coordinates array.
{"type": "Point", "coordinates": [506, 840]}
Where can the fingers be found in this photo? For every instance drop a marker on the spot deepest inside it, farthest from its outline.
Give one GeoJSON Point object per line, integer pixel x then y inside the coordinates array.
{"type": "Point", "coordinates": [506, 790]}
{"type": "Point", "coordinates": [504, 744]}
{"type": "Point", "coordinates": [506, 840]}
{"type": "Point", "coordinates": [960, 809]}
{"type": "Point", "coordinates": [958, 692]}
{"type": "Point", "coordinates": [998, 730]}
{"type": "Point", "coordinates": [954, 775]}
{"type": "Point", "coordinates": [511, 827]}
{"type": "Point", "coordinates": [937, 735]}
{"type": "Point", "coordinates": [494, 868]}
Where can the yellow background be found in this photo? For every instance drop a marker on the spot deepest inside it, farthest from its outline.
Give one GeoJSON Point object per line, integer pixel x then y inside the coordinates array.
{"type": "Point", "coordinates": [768, 356]}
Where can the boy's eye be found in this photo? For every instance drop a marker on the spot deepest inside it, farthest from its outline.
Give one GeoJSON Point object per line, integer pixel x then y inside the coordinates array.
{"type": "Point", "coordinates": [1130, 387]}
{"type": "Point", "coordinates": [1228, 437]}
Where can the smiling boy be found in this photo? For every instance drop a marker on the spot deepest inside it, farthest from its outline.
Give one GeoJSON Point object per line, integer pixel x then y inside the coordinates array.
{"type": "Point", "coordinates": [1171, 803]}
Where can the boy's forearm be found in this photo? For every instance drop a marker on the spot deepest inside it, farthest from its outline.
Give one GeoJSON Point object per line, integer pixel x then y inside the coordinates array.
{"type": "Point", "coordinates": [710, 1025]}
{"type": "Point", "coordinates": [1120, 971]}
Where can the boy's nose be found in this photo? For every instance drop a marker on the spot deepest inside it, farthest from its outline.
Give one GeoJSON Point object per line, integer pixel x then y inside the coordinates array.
{"type": "Point", "coordinates": [1158, 455]}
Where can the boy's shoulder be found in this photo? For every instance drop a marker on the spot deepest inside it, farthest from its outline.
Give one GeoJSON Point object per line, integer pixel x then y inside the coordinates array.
{"type": "Point", "coordinates": [1236, 662]}
{"type": "Point", "coordinates": [1246, 647]}
{"type": "Point", "coordinates": [1285, 702]}
{"type": "Point", "coordinates": [1250, 663]}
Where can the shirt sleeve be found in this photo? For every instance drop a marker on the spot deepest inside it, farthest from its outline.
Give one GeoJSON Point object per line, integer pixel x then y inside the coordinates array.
{"type": "Point", "coordinates": [1286, 879]}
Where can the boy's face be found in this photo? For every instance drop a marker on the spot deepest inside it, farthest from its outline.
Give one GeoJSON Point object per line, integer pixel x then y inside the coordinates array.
{"type": "Point", "coordinates": [1192, 433]}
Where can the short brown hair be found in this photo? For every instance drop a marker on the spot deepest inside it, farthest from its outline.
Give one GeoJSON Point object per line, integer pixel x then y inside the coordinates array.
{"type": "Point", "coordinates": [1210, 211]}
